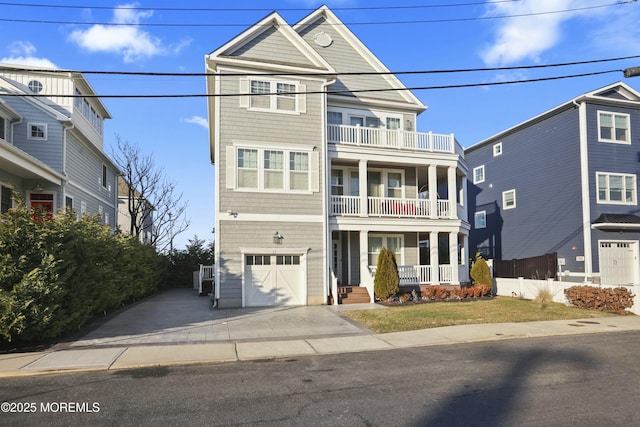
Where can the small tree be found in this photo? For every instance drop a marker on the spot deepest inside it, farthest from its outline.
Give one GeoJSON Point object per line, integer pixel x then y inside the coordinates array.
{"type": "Point", "coordinates": [387, 281]}
{"type": "Point", "coordinates": [480, 272]}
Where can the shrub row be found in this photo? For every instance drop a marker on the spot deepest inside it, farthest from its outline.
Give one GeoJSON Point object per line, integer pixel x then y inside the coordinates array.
{"type": "Point", "coordinates": [611, 300]}
{"type": "Point", "coordinates": [56, 274]}
{"type": "Point", "coordinates": [435, 293]}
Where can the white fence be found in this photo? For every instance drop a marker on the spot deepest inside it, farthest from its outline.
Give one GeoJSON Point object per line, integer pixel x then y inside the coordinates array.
{"type": "Point", "coordinates": [529, 289]}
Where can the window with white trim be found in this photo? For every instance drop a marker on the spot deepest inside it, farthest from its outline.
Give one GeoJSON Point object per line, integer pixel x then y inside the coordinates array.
{"type": "Point", "coordinates": [391, 242]}
{"type": "Point", "coordinates": [509, 199]}
{"type": "Point", "coordinates": [37, 131]}
{"type": "Point", "coordinates": [613, 127]}
{"type": "Point", "coordinates": [337, 182]}
{"type": "Point", "coordinates": [394, 184]}
{"type": "Point", "coordinates": [103, 178]}
{"type": "Point", "coordinates": [334, 117]}
{"type": "Point", "coordinates": [478, 174]}
{"type": "Point", "coordinates": [6, 198]}
{"type": "Point", "coordinates": [618, 189]}
{"type": "Point", "coordinates": [273, 95]}
{"type": "Point", "coordinates": [3, 128]}
{"type": "Point", "coordinates": [480, 219]}
{"type": "Point", "coordinates": [272, 170]}
{"type": "Point", "coordinates": [497, 149]}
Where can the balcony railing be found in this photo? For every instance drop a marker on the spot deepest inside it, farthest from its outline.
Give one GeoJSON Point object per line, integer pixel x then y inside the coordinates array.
{"type": "Point", "coordinates": [390, 138]}
{"type": "Point", "coordinates": [422, 274]}
{"type": "Point", "coordinates": [389, 207]}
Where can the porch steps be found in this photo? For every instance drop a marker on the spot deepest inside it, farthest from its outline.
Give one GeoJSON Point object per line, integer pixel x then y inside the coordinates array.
{"type": "Point", "coordinates": [353, 295]}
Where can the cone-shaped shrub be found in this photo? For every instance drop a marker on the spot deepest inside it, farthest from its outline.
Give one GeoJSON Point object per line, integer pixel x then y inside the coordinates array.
{"type": "Point", "coordinates": [480, 272]}
{"type": "Point", "coordinates": [387, 281]}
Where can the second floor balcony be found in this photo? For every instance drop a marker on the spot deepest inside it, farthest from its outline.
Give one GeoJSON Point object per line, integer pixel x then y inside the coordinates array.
{"type": "Point", "coordinates": [392, 138]}
{"type": "Point", "coordinates": [391, 207]}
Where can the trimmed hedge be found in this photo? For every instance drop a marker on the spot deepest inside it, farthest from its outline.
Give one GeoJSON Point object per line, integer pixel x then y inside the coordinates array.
{"type": "Point", "coordinates": [56, 274]}
{"type": "Point", "coordinates": [386, 282]}
{"type": "Point", "coordinates": [610, 300]}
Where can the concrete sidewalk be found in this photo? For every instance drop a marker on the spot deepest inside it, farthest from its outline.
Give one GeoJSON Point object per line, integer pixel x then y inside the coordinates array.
{"type": "Point", "coordinates": [117, 357]}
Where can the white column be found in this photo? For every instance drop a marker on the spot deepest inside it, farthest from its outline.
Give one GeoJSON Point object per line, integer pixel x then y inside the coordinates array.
{"type": "Point", "coordinates": [362, 182]}
{"type": "Point", "coordinates": [465, 256]}
{"type": "Point", "coordinates": [433, 190]}
{"type": "Point", "coordinates": [366, 279]}
{"type": "Point", "coordinates": [463, 198]}
{"type": "Point", "coordinates": [453, 257]}
{"type": "Point", "coordinates": [451, 178]}
{"type": "Point", "coordinates": [433, 252]}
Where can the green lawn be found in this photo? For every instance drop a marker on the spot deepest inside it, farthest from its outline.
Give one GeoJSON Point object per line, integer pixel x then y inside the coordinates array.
{"type": "Point", "coordinates": [433, 315]}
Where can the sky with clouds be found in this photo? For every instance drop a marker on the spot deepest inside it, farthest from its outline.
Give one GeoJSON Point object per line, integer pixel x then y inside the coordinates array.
{"type": "Point", "coordinates": [414, 35]}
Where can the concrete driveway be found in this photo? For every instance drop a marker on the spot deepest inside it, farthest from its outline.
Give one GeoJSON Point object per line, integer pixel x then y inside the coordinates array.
{"type": "Point", "coordinates": [180, 316]}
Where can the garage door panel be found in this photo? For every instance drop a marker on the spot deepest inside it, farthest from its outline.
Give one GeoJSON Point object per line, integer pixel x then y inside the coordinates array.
{"type": "Point", "coordinates": [618, 263]}
{"type": "Point", "coordinates": [278, 280]}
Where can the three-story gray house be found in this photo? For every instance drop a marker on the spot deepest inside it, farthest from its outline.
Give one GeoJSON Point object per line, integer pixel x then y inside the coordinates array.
{"type": "Point", "coordinates": [314, 175]}
{"type": "Point", "coordinates": [564, 181]}
{"type": "Point", "coordinates": [51, 145]}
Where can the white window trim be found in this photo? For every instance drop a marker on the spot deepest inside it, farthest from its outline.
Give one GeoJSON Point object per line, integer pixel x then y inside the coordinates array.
{"type": "Point", "coordinates": [299, 96]}
{"type": "Point", "coordinates": [497, 149]}
{"type": "Point", "coordinates": [504, 199]}
{"type": "Point", "coordinates": [312, 171]}
{"type": "Point", "coordinates": [385, 180]}
{"type": "Point", "coordinates": [382, 116]}
{"type": "Point", "coordinates": [478, 181]}
{"type": "Point", "coordinates": [615, 141]}
{"type": "Point", "coordinates": [384, 237]}
{"type": "Point", "coordinates": [483, 214]}
{"type": "Point", "coordinates": [30, 125]}
{"type": "Point", "coordinates": [609, 202]}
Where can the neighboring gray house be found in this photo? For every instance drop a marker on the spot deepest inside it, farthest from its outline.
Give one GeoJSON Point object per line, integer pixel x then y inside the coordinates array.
{"type": "Point", "coordinates": [564, 181]}
{"type": "Point", "coordinates": [51, 152]}
{"type": "Point", "coordinates": [310, 186]}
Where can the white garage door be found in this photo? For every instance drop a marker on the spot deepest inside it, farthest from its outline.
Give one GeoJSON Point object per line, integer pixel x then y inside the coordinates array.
{"type": "Point", "coordinates": [274, 280]}
{"type": "Point", "coordinates": [618, 262]}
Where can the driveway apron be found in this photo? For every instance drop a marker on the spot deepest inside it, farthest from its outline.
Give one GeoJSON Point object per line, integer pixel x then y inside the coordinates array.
{"type": "Point", "coordinates": [179, 316]}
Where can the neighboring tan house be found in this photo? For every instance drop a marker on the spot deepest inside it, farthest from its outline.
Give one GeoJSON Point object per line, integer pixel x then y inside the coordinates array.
{"type": "Point", "coordinates": [564, 182]}
{"type": "Point", "coordinates": [51, 152]}
{"type": "Point", "coordinates": [129, 199]}
{"type": "Point", "coordinates": [311, 185]}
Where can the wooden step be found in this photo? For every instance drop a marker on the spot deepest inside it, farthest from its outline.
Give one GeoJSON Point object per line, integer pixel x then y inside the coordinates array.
{"type": "Point", "coordinates": [353, 295]}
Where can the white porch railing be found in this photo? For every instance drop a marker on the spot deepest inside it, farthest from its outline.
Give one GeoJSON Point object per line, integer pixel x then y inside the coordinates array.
{"type": "Point", "coordinates": [381, 137]}
{"type": "Point", "coordinates": [389, 207]}
{"type": "Point", "coordinates": [422, 274]}
{"type": "Point", "coordinates": [206, 273]}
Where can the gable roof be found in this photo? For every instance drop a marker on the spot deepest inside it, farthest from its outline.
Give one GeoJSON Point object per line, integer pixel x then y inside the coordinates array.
{"type": "Point", "coordinates": [618, 93]}
{"type": "Point", "coordinates": [329, 24]}
{"type": "Point", "coordinates": [292, 53]}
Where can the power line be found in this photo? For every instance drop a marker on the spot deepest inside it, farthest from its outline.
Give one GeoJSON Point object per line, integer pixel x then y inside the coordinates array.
{"type": "Point", "coordinates": [320, 74]}
{"type": "Point", "coordinates": [327, 92]}
{"type": "Point", "coordinates": [218, 9]}
{"type": "Point", "coordinates": [426, 21]}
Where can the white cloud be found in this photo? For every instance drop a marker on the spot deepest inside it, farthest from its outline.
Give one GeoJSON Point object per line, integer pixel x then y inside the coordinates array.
{"type": "Point", "coordinates": [130, 41]}
{"type": "Point", "coordinates": [197, 120]}
{"type": "Point", "coordinates": [527, 37]}
{"type": "Point", "coordinates": [21, 53]}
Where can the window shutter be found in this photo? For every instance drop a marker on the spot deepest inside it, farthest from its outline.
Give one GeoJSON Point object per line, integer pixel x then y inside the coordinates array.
{"type": "Point", "coordinates": [314, 170]}
{"type": "Point", "coordinates": [302, 98]}
{"type": "Point", "coordinates": [244, 88]}
{"type": "Point", "coordinates": [231, 167]}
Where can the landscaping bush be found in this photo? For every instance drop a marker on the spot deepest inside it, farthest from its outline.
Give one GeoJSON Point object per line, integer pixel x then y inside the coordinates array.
{"type": "Point", "coordinates": [56, 274]}
{"type": "Point", "coordinates": [387, 281]}
{"type": "Point", "coordinates": [480, 272]}
{"type": "Point", "coordinates": [610, 300]}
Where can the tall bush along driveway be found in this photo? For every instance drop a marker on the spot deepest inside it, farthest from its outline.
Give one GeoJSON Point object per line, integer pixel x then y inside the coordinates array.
{"type": "Point", "coordinates": [55, 274]}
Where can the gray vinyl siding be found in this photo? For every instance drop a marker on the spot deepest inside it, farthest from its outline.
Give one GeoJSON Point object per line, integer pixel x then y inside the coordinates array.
{"type": "Point", "coordinates": [277, 129]}
{"type": "Point", "coordinates": [271, 46]}
{"type": "Point", "coordinates": [613, 158]}
{"type": "Point", "coordinates": [542, 163]}
{"type": "Point", "coordinates": [240, 234]}
{"type": "Point", "coordinates": [344, 58]}
{"type": "Point", "coordinates": [84, 168]}
{"type": "Point", "coordinates": [48, 151]}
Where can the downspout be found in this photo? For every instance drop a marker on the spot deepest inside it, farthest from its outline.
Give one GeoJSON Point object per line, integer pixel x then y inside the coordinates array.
{"type": "Point", "coordinates": [584, 186]}
{"type": "Point", "coordinates": [13, 124]}
{"type": "Point", "coordinates": [328, 279]}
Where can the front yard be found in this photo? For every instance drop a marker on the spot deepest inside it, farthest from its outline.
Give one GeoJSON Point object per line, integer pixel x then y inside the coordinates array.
{"type": "Point", "coordinates": [496, 310]}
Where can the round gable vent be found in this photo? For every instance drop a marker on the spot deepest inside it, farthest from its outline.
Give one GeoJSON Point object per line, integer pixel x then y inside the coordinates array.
{"type": "Point", "coordinates": [323, 39]}
{"type": "Point", "coordinates": [35, 86]}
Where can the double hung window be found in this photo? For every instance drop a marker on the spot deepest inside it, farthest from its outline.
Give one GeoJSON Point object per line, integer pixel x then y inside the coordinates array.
{"type": "Point", "coordinates": [299, 170]}
{"type": "Point", "coordinates": [270, 170]}
{"type": "Point", "coordinates": [273, 95]}
{"type": "Point", "coordinates": [616, 188]}
{"type": "Point", "coordinates": [614, 127]}
{"type": "Point", "coordinates": [478, 174]}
